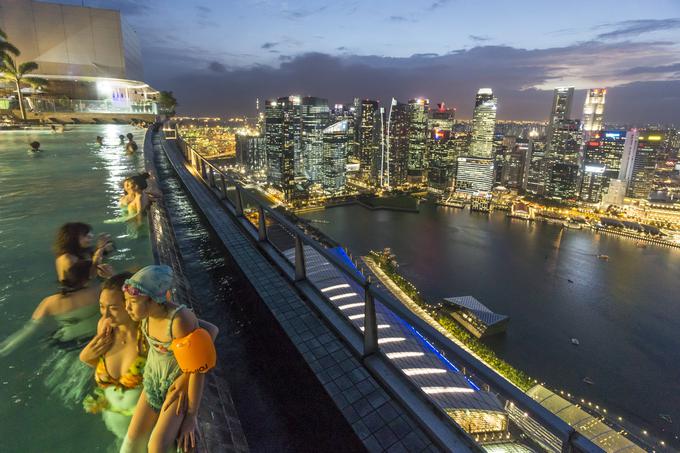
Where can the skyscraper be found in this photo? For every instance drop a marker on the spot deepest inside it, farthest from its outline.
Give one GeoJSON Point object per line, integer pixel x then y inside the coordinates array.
{"type": "Point", "coordinates": [564, 159]}
{"type": "Point", "coordinates": [640, 164]}
{"type": "Point", "coordinates": [397, 151]}
{"type": "Point", "coordinates": [368, 132]}
{"type": "Point", "coordinates": [282, 134]}
{"type": "Point", "coordinates": [336, 139]}
{"type": "Point", "coordinates": [418, 110]}
{"type": "Point", "coordinates": [483, 123]}
{"type": "Point", "coordinates": [560, 111]}
{"type": "Point", "coordinates": [314, 118]}
{"type": "Point", "coordinates": [603, 152]}
{"type": "Point", "coordinates": [474, 175]}
{"type": "Point", "coordinates": [593, 110]}
{"type": "Point", "coordinates": [441, 150]}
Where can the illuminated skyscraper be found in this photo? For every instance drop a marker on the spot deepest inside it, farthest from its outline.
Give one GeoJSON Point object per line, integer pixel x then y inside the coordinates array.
{"type": "Point", "coordinates": [314, 118]}
{"type": "Point", "coordinates": [418, 110]}
{"type": "Point", "coordinates": [560, 111]}
{"type": "Point", "coordinates": [564, 159]}
{"type": "Point", "coordinates": [593, 110]}
{"type": "Point", "coordinates": [639, 163]}
{"type": "Point", "coordinates": [336, 140]}
{"type": "Point", "coordinates": [368, 132]}
{"type": "Point", "coordinates": [397, 152]}
{"type": "Point", "coordinates": [474, 175]}
{"type": "Point", "coordinates": [282, 135]}
{"type": "Point", "coordinates": [602, 162]}
{"type": "Point", "coordinates": [441, 149]}
{"type": "Point", "coordinates": [483, 123]}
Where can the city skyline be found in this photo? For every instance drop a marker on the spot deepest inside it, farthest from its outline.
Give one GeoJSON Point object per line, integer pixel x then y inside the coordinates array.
{"type": "Point", "coordinates": [439, 50]}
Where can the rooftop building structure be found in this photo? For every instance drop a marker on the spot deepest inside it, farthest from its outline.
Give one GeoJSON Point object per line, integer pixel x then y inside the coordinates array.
{"type": "Point", "coordinates": [475, 316]}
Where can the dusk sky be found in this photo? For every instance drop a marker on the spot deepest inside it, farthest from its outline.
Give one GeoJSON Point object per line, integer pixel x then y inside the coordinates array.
{"type": "Point", "coordinates": [219, 56]}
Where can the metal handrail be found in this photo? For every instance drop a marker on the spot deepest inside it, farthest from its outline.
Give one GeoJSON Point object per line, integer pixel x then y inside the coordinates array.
{"type": "Point", "coordinates": [570, 438]}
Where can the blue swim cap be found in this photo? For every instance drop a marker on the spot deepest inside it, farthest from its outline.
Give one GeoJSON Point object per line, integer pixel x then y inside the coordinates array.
{"type": "Point", "coordinates": [153, 281]}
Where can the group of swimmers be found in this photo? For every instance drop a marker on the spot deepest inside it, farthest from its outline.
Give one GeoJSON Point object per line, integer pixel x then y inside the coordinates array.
{"type": "Point", "coordinates": [146, 356]}
{"type": "Point", "coordinates": [130, 147]}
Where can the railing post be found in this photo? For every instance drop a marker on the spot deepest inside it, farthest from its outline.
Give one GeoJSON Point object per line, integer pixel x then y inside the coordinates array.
{"type": "Point", "coordinates": [300, 269]}
{"type": "Point", "coordinates": [224, 186]}
{"type": "Point", "coordinates": [261, 225]}
{"type": "Point", "coordinates": [370, 322]}
{"type": "Point", "coordinates": [239, 201]}
{"type": "Point", "coordinates": [212, 177]}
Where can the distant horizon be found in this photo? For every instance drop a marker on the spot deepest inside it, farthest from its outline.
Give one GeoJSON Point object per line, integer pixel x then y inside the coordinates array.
{"type": "Point", "coordinates": [227, 54]}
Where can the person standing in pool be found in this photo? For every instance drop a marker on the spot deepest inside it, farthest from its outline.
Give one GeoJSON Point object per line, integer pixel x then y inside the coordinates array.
{"type": "Point", "coordinates": [74, 243]}
{"type": "Point", "coordinates": [35, 147]}
{"type": "Point", "coordinates": [118, 355]}
{"type": "Point", "coordinates": [121, 137]}
{"type": "Point", "coordinates": [159, 420]}
{"type": "Point", "coordinates": [100, 140]}
{"type": "Point", "coordinates": [66, 319]}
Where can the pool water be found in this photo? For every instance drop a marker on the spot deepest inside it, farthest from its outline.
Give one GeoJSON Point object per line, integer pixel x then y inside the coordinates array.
{"type": "Point", "coordinates": [73, 179]}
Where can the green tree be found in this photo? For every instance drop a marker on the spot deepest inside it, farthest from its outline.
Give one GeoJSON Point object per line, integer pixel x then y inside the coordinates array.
{"type": "Point", "coordinates": [5, 46]}
{"type": "Point", "coordinates": [9, 70]}
{"type": "Point", "coordinates": [167, 102]}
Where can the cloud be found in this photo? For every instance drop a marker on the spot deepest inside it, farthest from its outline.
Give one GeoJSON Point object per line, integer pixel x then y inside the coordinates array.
{"type": "Point", "coordinates": [631, 28]}
{"type": "Point", "coordinates": [401, 19]}
{"type": "Point", "coordinates": [522, 79]}
{"type": "Point", "coordinates": [216, 66]}
{"type": "Point", "coordinates": [478, 38]}
{"type": "Point", "coordinates": [269, 45]}
{"type": "Point", "coordinates": [302, 13]}
{"type": "Point", "coordinates": [204, 9]}
{"type": "Point", "coordinates": [438, 4]}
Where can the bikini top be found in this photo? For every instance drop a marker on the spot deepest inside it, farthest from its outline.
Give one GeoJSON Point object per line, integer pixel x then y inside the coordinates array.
{"type": "Point", "coordinates": [132, 378]}
{"type": "Point", "coordinates": [162, 347]}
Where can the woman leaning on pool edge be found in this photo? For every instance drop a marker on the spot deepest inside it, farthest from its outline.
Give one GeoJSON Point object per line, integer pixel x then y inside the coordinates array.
{"type": "Point", "coordinates": [158, 421]}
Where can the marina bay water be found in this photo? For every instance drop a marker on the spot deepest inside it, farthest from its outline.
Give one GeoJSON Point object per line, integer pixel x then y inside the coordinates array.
{"type": "Point", "coordinates": [625, 312]}
{"type": "Point", "coordinates": [73, 179]}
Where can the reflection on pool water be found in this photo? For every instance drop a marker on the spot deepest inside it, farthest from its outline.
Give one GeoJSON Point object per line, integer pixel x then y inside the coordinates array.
{"type": "Point", "coordinates": [73, 179]}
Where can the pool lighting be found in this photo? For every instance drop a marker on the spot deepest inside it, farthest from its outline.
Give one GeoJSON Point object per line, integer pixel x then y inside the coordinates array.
{"type": "Point", "coordinates": [357, 316]}
{"type": "Point", "coordinates": [379, 326]}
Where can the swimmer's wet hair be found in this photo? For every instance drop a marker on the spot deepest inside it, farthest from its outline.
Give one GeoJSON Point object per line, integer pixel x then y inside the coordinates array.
{"type": "Point", "coordinates": [68, 239]}
{"type": "Point", "coordinates": [117, 281]}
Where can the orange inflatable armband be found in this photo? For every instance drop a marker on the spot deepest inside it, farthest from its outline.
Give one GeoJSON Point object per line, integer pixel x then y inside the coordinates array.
{"type": "Point", "coordinates": [195, 353]}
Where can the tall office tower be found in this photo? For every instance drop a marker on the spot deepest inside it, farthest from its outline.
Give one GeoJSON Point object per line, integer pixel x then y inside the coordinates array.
{"type": "Point", "coordinates": [593, 111]}
{"type": "Point", "coordinates": [513, 170]}
{"type": "Point", "coordinates": [602, 162]}
{"type": "Point", "coordinates": [368, 137]}
{"type": "Point", "coordinates": [474, 175]}
{"type": "Point", "coordinates": [314, 118]}
{"type": "Point", "coordinates": [639, 164]}
{"type": "Point", "coordinates": [537, 167]}
{"type": "Point", "coordinates": [336, 141]}
{"type": "Point", "coordinates": [397, 141]}
{"type": "Point", "coordinates": [441, 148]}
{"type": "Point", "coordinates": [483, 123]}
{"type": "Point", "coordinates": [560, 111]}
{"type": "Point", "coordinates": [418, 110]}
{"type": "Point", "coordinates": [251, 156]}
{"type": "Point", "coordinates": [282, 135]}
{"type": "Point", "coordinates": [565, 153]}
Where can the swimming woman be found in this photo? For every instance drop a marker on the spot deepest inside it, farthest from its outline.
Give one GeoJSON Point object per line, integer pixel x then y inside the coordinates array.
{"type": "Point", "coordinates": [118, 355]}
{"type": "Point", "coordinates": [35, 148]}
{"type": "Point", "coordinates": [154, 424]}
{"type": "Point", "coordinates": [65, 318]}
{"type": "Point", "coordinates": [74, 243]}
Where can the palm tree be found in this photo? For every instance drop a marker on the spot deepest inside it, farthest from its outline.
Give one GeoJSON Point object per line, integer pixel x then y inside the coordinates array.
{"type": "Point", "coordinates": [9, 70]}
{"type": "Point", "coordinates": [5, 46]}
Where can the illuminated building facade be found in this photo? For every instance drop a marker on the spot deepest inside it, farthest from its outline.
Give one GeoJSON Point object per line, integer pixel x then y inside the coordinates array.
{"type": "Point", "coordinates": [418, 110]}
{"type": "Point", "coordinates": [483, 123]}
{"type": "Point", "coordinates": [314, 118]}
{"type": "Point", "coordinates": [474, 175]}
{"type": "Point", "coordinates": [251, 155]}
{"type": "Point", "coordinates": [643, 156]}
{"type": "Point", "coordinates": [398, 140]}
{"type": "Point", "coordinates": [282, 136]}
{"type": "Point", "coordinates": [90, 57]}
{"type": "Point", "coordinates": [563, 161]}
{"type": "Point", "coordinates": [336, 141]}
{"type": "Point", "coordinates": [441, 148]}
{"type": "Point", "coordinates": [368, 132]}
{"type": "Point", "coordinates": [562, 182]}
{"type": "Point", "coordinates": [515, 160]}
{"type": "Point", "coordinates": [593, 111]}
{"type": "Point", "coordinates": [603, 152]}
{"type": "Point", "coordinates": [560, 111]}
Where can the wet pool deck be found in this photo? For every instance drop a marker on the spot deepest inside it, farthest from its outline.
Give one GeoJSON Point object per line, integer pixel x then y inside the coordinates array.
{"type": "Point", "coordinates": [377, 419]}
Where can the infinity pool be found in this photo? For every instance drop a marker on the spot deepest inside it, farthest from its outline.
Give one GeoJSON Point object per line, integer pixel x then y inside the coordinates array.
{"type": "Point", "coordinates": [74, 179]}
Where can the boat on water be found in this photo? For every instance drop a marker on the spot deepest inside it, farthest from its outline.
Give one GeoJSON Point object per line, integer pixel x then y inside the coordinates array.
{"type": "Point", "coordinates": [603, 257]}
{"type": "Point", "coordinates": [666, 417]}
{"type": "Point", "coordinates": [319, 221]}
{"type": "Point", "coordinates": [451, 204]}
{"type": "Point", "coordinates": [575, 341]}
{"type": "Point", "coordinates": [588, 381]}
{"type": "Point", "coordinates": [572, 225]}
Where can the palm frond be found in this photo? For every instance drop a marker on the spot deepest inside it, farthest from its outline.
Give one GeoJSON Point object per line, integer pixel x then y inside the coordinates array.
{"type": "Point", "coordinates": [28, 66]}
{"type": "Point", "coordinates": [3, 35]}
{"type": "Point", "coordinates": [8, 47]}
{"type": "Point", "coordinates": [36, 82]}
